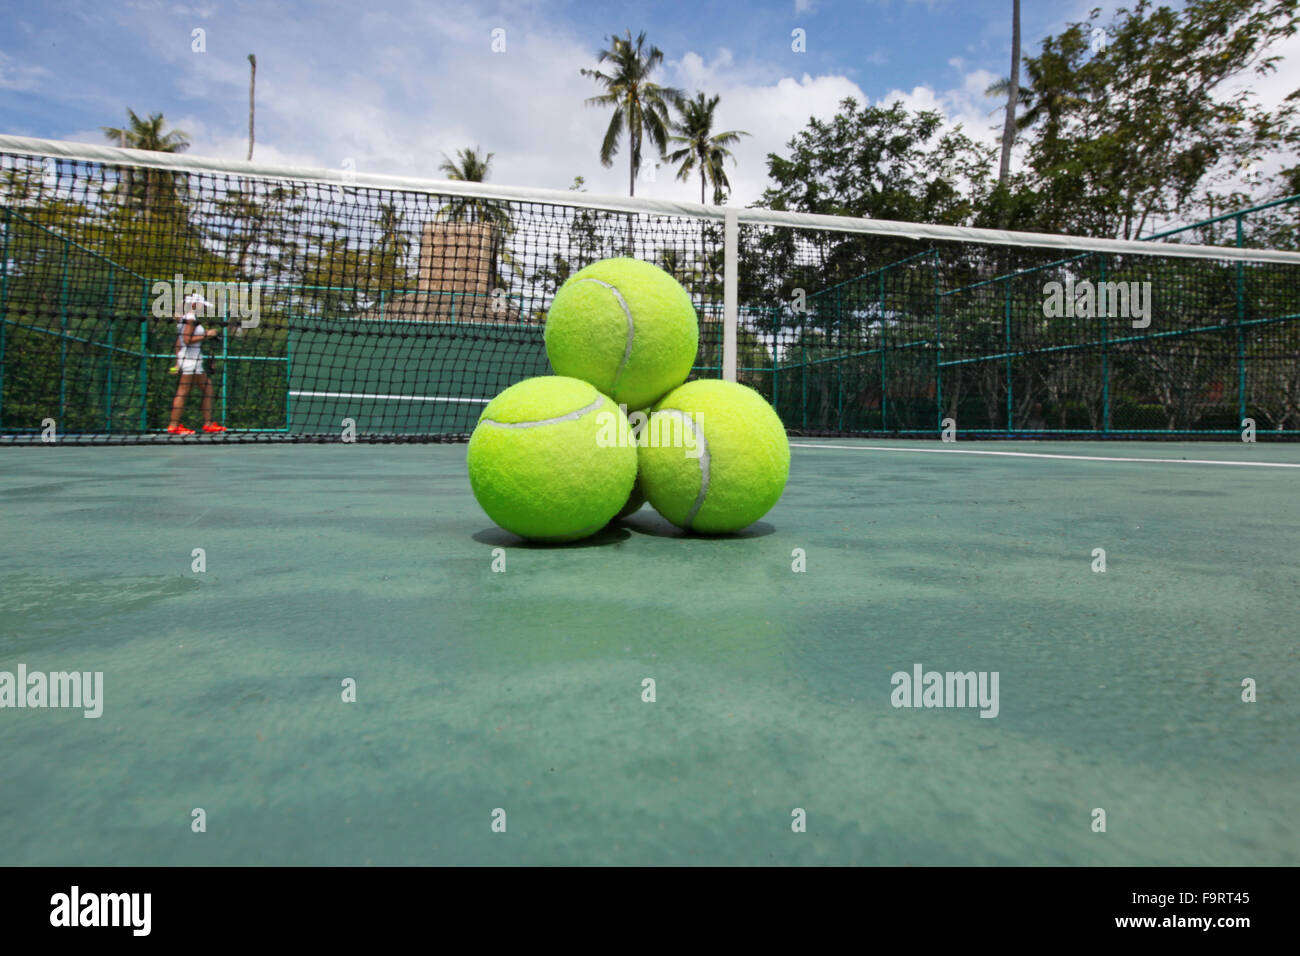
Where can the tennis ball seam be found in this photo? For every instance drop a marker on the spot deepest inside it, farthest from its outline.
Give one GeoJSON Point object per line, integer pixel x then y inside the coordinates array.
{"type": "Point", "coordinates": [631, 328]}
{"type": "Point", "coordinates": [569, 417]}
{"type": "Point", "coordinates": [703, 444]}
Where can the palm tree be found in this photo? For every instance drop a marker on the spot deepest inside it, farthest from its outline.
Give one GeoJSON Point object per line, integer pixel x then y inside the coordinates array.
{"type": "Point", "coordinates": [672, 261]}
{"type": "Point", "coordinates": [1024, 98]}
{"type": "Point", "coordinates": [470, 166]}
{"type": "Point", "coordinates": [702, 148]}
{"type": "Point", "coordinates": [1042, 98]}
{"type": "Point", "coordinates": [640, 105]}
{"type": "Point", "coordinates": [147, 134]}
{"type": "Point", "coordinates": [393, 244]}
{"type": "Point", "coordinates": [252, 81]}
{"type": "Point", "coordinates": [1013, 96]}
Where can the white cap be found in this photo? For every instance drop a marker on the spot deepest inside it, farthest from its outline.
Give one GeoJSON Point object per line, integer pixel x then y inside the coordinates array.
{"type": "Point", "coordinates": [195, 299]}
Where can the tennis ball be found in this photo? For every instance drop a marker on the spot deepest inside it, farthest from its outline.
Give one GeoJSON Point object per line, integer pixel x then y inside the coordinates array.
{"type": "Point", "coordinates": [634, 502]}
{"type": "Point", "coordinates": [713, 456]}
{"type": "Point", "coordinates": [552, 459]}
{"type": "Point", "coordinates": [625, 326]}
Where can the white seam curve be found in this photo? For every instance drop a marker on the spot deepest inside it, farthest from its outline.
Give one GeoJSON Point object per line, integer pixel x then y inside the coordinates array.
{"type": "Point", "coordinates": [1032, 454]}
{"type": "Point", "coordinates": [571, 417]}
{"type": "Point", "coordinates": [702, 443]}
{"type": "Point", "coordinates": [631, 327]}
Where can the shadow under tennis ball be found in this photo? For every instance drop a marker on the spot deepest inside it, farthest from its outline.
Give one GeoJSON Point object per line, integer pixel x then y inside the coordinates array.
{"type": "Point", "coordinates": [647, 521]}
{"type": "Point", "coordinates": [500, 538]}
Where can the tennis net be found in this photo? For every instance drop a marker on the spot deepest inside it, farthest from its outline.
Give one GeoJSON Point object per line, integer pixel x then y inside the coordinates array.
{"type": "Point", "coordinates": [350, 306]}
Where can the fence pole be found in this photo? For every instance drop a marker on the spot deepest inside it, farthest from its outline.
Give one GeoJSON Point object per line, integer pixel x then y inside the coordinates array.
{"type": "Point", "coordinates": [225, 354]}
{"type": "Point", "coordinates": [63, 336]}
{"type": "Point", "coordinates": [144, 355]}
{"type": "Point", "coordinates": [938, 347]}
{"type": "Point", "coordinates": [1105, 361]}
{"type": "Point", "coordinates": [288, 378]}
{"type": "Point", "coordinates": [884, 365]}
{"type": "Point", "coordinates": [1011, 425]}
{"type": "Point", "coordinates": [1241, 330]}
{"type": "Point", "coordinates": [776, 359]}
{"type": "Point", "coordinates": [803, 364]}
{"type": "Point", "coordinates": [4, 306]}
{"type": "Point", "coordinates": [108, 385]}
{"type": "Point", "coordinates": [839, 366]}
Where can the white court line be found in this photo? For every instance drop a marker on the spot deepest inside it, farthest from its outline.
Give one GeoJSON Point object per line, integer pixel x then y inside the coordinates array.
{"type": "Point", "coordinates": [390, 398]}
{"type": "Point", "coordinates": [1032, 454]}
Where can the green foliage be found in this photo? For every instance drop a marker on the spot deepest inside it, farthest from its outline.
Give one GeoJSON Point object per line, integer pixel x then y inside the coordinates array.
{"type": "Point", "coordinates": [1131, 122]}
{"type": "Point", "coordinates": [640, 105]}
{"type": "Point", "coordinates": [703, 150]}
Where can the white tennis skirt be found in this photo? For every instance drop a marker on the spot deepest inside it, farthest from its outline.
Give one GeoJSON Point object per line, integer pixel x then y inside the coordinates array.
{"type": "Point", "coordinates": [189, 366]}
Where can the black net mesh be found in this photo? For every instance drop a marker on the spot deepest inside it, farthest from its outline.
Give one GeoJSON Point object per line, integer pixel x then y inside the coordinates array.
{"type": "Point", "coordinates": [394, 315]}
{"type": "Point", "coordinates": [1020, 341]}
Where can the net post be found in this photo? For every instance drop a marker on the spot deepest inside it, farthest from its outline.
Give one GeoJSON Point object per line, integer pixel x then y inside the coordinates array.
{"type": "Point", "coordinates": [730, 297]}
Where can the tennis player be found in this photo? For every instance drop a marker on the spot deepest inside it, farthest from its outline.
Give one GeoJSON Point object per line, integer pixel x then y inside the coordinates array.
{"type": "Point", "coordinates": [190, 335]}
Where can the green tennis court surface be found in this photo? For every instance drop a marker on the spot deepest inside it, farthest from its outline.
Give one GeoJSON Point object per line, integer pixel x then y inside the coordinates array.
{"type": "Point", "coordinates": [522, 689]}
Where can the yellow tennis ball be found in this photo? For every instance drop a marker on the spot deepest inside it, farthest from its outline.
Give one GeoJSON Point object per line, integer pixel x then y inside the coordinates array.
{"type": "Point", "coordinates": [713, 456]}
{"type": "Point", "coordinates": [552, 459]}
{"type": "Point", "coordinates": [625, 326]}
{"type": "Point", "coordinates": [634, 503]}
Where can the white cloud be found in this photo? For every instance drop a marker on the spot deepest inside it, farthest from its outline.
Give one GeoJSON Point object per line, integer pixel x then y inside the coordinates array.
{"type": "Point", "coordinates": [19, 76]}
{"type": "Point", "coordinates": [424, 82]}
{"type": "Point", "coordinates": [965, 104]}
{"type": "Point", "coordinates": [772, 112]}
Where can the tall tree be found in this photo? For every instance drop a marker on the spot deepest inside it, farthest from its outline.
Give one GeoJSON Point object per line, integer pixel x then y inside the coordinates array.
{"type": "Point", "coordinates": [1013, 96]}
{"type": "Point", "coordinates": [702, 149]}
{"type": "Point", "coordinates": [640, 105]}
{"type": "Point", "coordinates": [148, 134]}
{"type": "Point", "coordinates": [1135, 120]}
{"type": "Point", "coordinates": [470, 165]}
{"type": "Point", "coordinates": [872, 162]}
{"type": "Point", "coordinates": [473, 166]}
{"type": "Point", "coordinates": [252, 82]}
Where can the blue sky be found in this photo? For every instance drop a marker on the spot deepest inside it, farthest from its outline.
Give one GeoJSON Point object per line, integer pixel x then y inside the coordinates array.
{"type": "Point", "coordinates": [392, 84]}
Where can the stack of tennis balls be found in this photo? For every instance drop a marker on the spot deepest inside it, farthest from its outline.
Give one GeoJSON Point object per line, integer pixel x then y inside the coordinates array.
{"type": "Point", "coordinates": [555, 458]}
